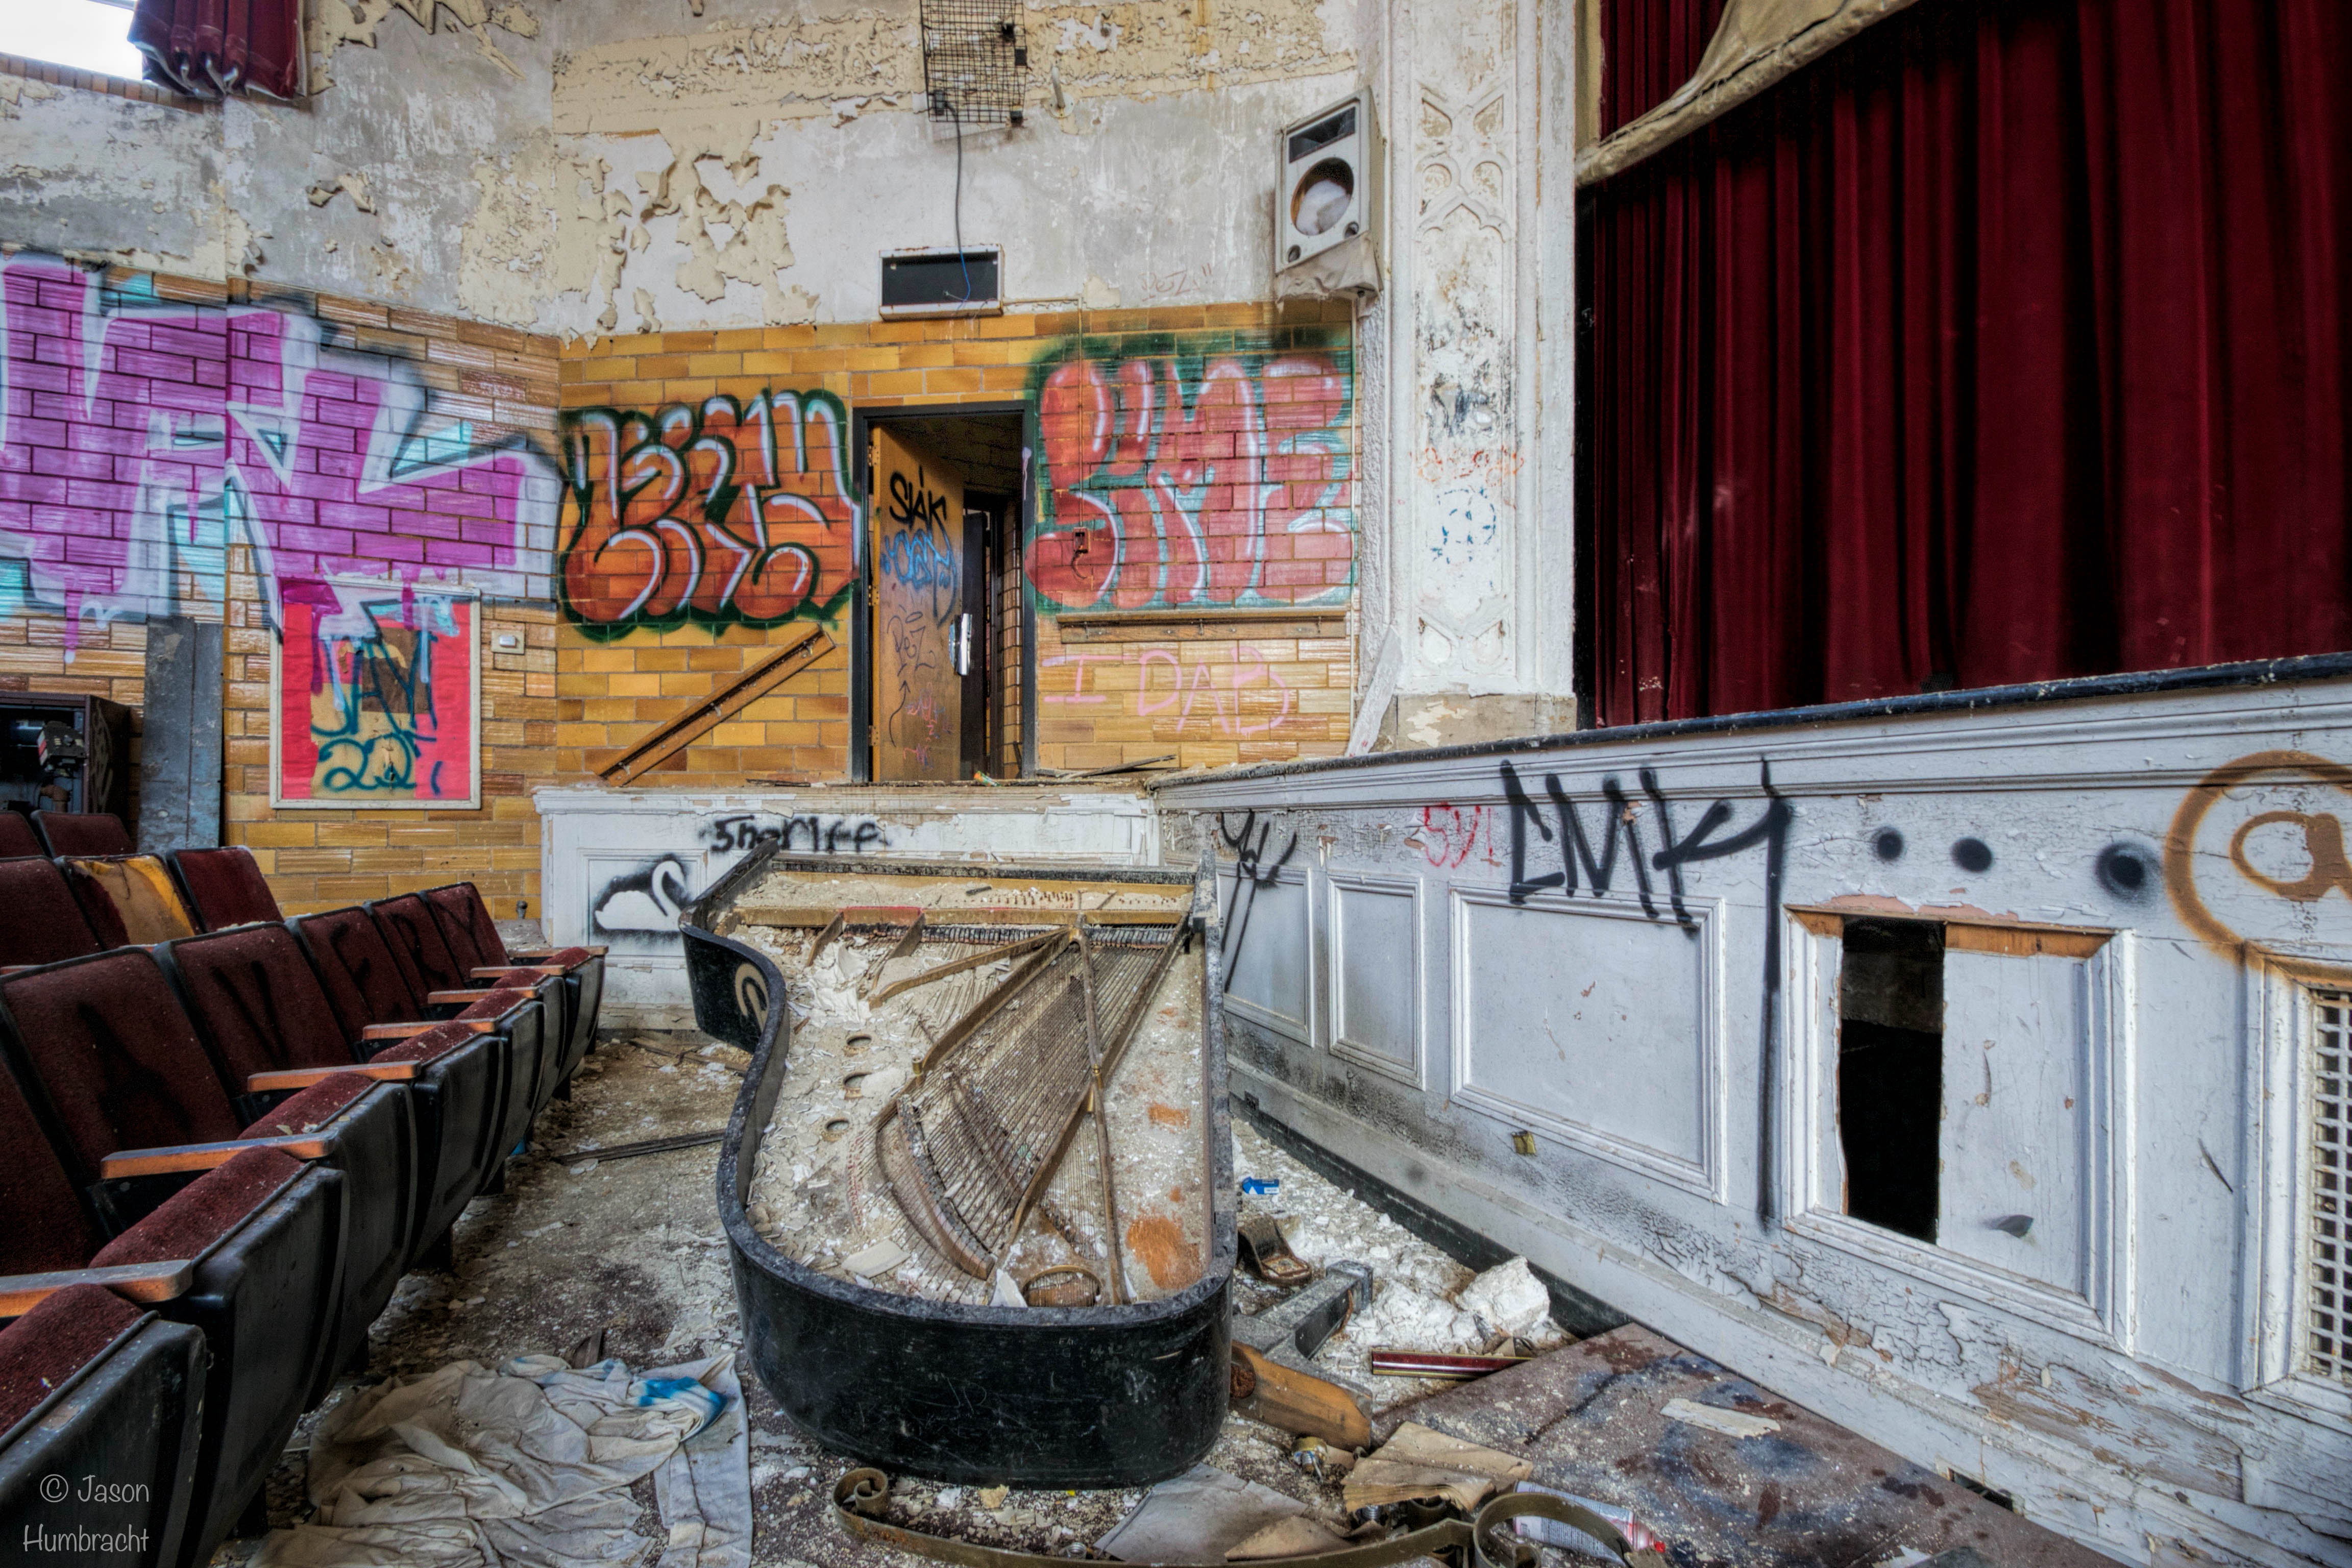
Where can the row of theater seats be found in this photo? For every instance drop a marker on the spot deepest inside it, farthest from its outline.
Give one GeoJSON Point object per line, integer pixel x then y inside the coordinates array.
{"type": "Point", "coordinates": [223, 1148]}
{"type": "Point", "coordinates": [63, 833]}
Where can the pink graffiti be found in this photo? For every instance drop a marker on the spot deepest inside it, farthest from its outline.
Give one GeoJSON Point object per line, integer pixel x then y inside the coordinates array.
{"type": "Point", "coordinates": [1245, 695]}
{"type": "Point", "coordinates": [142, 438]}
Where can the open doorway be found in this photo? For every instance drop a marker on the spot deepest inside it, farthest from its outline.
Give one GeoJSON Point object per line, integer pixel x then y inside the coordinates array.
{"type": "Point", "coordinates": [942, 690]}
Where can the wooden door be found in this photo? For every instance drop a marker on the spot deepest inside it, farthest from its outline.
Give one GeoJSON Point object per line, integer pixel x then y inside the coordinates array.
{"type": "Point", "coordinates": [918, 607]}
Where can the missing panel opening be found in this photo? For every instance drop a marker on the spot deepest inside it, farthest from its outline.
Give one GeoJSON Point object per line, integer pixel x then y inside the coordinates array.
{"type": "Point", "coordinates": [1890, 1072]}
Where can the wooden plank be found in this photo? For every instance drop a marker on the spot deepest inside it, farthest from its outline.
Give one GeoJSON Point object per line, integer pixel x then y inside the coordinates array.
{"type": "Point", "coordinates": [668, 740]}
{"type": "Point", "coordinates": [304, 1078]}
{"type": "Point", "coordinates": [202, 1156]}
{"type": "Point", "coordinates": [143, 1282]}
{"type": "Point", "coordinates": [805, 919]}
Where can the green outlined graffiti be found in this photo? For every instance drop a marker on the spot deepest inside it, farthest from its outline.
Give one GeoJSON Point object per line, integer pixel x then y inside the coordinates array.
{"type": "Point", "coordinates": [713, 513]}
{"type": "Point", "coordinates": [1206, 469]}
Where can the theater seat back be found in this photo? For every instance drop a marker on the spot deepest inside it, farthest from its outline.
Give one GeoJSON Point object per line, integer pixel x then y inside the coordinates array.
{"type": "Point", "coordinates": [17, 835]}
{"type": "Point", "coordinates": [364, 982]}
{"type": "Point", "coordinates": [417, 942]}
{"type": "Point", "coordinates": [256, 1001]}
{"type": "Point", "coordinates": [130, 901]}
{"type": "Point", "coordinates": [49, 1227]}
{"type": "Point", "coordinates": [91, 1385]}
{"type": "Point", "coordinates": [40, 919]}
{"type": "Point", "coordinates": [83, 832]}
{"type": "Point", "coordinates": [226, 887]}
{"type": "Point", "coordinates": [467, 925]}
{"type": "Point", "coordinates": [122, 1066]}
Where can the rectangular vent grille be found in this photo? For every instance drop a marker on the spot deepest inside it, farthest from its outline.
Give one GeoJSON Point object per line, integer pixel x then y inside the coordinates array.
{"type": "Point", "coordinates": [2328, 1301]}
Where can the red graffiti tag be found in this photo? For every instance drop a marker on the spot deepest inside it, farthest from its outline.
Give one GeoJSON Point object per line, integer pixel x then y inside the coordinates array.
{"type": "Point", "coordinates": [1174, 481]}
{"type": "Point", "coordinates": [1448, 834]}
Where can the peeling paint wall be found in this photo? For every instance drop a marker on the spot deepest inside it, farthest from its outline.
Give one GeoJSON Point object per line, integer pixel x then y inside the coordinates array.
{"type": "Point", "coordinates": [111, 179]}
{"type": "Point", "coordinates": [611, 165]}
{"type": "Point", "coordinates": [1633, 953]}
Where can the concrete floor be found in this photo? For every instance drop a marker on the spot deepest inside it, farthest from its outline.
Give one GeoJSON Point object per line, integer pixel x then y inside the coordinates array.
{"type": "Point", "coordinates": [633, 1246]}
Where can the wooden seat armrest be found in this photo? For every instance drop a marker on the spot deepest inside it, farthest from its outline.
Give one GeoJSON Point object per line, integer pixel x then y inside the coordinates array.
{"type": "Point", "coordinates": [455, 998]}
{"type": "Point", "coordinates": [303, 1078]}
{"type": "Point", "coordinates": [181, 1157]}
{"type": "Point", "coordinates": [408, 1031]}
{"type": "Point", "coordinates": [495, 972]}
{"type": "Point", "coordinates": [143, 1282]}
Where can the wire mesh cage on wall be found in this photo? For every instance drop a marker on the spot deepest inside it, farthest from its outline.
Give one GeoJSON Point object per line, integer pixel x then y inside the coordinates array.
{"type": "Point", "coordinates": [975, 55]}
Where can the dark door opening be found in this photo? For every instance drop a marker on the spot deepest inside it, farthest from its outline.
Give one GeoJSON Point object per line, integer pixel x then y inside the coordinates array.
{"type": "Point", "coordinates": [941, 630]}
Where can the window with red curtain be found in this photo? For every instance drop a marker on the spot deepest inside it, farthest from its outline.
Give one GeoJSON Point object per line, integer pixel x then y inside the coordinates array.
{"type": "Point", "coordinates": [2006, 343]}
{"type": "Point", "coordinates": [210, 48]}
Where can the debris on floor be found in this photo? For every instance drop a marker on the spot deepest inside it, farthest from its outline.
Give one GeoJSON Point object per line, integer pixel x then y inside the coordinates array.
{"type": "Point", "coordinates": [1197, 1517]}
{"type": "Point", "coordinates": [524, 1463]}
{"type": "Point", "coordinates": [1422, 1300]}
{"type": "Point", "coordinates": [1417, 1462]}
{"type": "Point", "coordinates": [626, 1259]}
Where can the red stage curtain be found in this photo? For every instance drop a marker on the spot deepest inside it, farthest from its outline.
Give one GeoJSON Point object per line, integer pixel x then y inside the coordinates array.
{"type": "Point", "coordinates": [210, 48]}
{"type": "Point", "coordinates": [2007, 342]}
{"type": "Point", "coordinates": [1649, 47]}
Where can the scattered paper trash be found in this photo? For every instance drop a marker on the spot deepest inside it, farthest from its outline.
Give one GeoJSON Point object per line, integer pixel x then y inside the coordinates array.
{"type": "Point", "coordinates": [1007, 1292]}
{"type": "Point", "coordinates": [1261, 1186]}
{"type": "Point", "coordinates": [1197, 1517]}
{"type": "Point", "coordinates": [1422, 1462]}
{"type": "Point", "coordinates": [1714, 1418]}
{"type": "Point", "coordinates": [992, 1498]}
{"type": "Point", "coordinates": [1508, 1299]}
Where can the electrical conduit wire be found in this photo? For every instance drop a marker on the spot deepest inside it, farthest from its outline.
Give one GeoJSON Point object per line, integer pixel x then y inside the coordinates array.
{"type": "Point", "coordinates": [961, 259]}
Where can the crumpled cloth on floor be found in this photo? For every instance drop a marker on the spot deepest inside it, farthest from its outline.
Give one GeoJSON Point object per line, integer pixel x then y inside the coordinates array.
{"type": "Point", "coordinates": [525, 1464]}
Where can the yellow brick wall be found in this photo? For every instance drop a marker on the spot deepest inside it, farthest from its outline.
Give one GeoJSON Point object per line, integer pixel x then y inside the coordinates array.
{"type": "Point", "coordinates": [1234, 688]}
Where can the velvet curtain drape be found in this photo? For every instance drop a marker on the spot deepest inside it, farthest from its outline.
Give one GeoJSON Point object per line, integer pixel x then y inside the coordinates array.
{"type": "Point", "coordinates": [209, 49]}
{"type": "Point", "coordinates": [2007, 342]}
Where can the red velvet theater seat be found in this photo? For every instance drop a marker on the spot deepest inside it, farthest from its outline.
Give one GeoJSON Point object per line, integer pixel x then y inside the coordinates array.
{"type": "Point", "coordinates": [247, 1256]}
{"type": "Point", "coordinates": [265, 1020]}
{"type": "Point", "coordinates": [139, 1111]}
{"type": "Point", "coordinates": [83, 832]}
{"type": "Point", "coordinates": [473, 936]}
{"type": "Point", "coordinates": [374, 1004]}
{"type": "Point", "coordinates": [17, 835]}
{"type": "Point", "coordinates": [434, 972]}
{"type": "Point", "coordinates": [40, 921]}
{"type": "Point", "coordinates": [130, 901]}
{"type": "Point", "coordinates": [225, 887]}
{"type": "Point", "coordinates": [91, 1386]}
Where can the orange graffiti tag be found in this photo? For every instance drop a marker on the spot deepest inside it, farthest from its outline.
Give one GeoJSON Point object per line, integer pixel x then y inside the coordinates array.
{"type": "Point", "coordinates": [2322, 840]}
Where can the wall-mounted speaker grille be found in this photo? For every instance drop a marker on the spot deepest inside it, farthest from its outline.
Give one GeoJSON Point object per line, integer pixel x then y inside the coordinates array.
{"type": "Point", "coordinates": [975, 62]}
